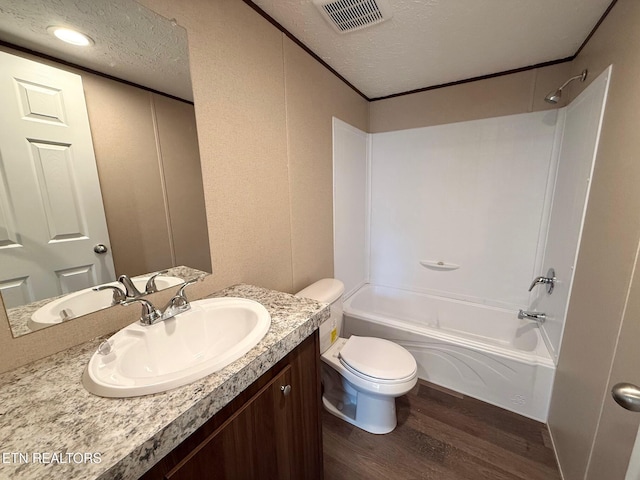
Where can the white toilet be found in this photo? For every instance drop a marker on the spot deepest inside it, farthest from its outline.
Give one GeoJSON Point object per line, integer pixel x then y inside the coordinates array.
{"type": "Point", "coordinates": [361, 376]}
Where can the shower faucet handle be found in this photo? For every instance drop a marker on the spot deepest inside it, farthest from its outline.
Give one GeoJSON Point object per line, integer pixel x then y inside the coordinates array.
{"type": "Point", "coordinates": [549, 281]}
{"type": "Point", "coordinates": [540, 281]}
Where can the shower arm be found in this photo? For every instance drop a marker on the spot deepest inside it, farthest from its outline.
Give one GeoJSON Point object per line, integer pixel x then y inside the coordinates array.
{"type": "Point", "coordinates": [580, 77]}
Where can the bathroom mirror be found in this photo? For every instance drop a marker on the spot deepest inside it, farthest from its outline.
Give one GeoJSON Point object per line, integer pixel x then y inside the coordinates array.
{"type": "Point", "coordinates": [135, 77]}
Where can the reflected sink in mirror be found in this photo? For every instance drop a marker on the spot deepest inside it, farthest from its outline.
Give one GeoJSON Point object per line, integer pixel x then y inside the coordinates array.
{"type": "Point", "coordinates": [86, 301]}
{"type": "Point", "coordinates": [141, 360]}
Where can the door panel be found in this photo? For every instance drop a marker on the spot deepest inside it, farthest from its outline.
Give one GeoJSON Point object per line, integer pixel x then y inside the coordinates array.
{"type": "Point", "coordinates": [40, 102]}
{"type": "Point", "coordinates": [74, 279]}
{"type": "Point", "coordinates": [15, 291]}
{"type": "Point", "coordinates": [58, 191]}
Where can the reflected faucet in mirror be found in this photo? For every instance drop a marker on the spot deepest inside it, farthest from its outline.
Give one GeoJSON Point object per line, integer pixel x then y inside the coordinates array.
{"type": "Point", "coordinates": [55, 311]}
{"type": "Point", "coordinates": [131, 291]}
{"type": "Point", "coordinates": [119, 295]}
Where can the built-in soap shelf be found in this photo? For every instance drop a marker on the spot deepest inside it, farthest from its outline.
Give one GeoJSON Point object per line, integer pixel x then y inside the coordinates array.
{"type": "Point", "coordinates": [438, 265]}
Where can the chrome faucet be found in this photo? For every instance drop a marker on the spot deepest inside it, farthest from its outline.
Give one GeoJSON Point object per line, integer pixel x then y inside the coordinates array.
{"type": "Point", "coordinates": [119, 295]}
{"type": "Point", "coordinates": [175, 306]}
{"type": "Point", "coordinates": [549, 281]}
{"type": "Point", "coordinates": [535, 316]}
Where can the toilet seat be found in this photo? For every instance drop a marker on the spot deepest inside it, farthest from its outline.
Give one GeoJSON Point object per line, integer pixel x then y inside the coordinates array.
{"type": "Point", "coordinates": [362, 382]}
{"type": "Point", "coordinates": [377, 360]}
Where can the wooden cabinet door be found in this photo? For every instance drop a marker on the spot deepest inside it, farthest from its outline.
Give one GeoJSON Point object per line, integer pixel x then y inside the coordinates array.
{"type": "Point", "coordinates": [262, 433]}
{"type": "Point", "coordinates": [254, 443]}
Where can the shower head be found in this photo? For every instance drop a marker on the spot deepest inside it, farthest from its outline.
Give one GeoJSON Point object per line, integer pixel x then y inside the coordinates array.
{"type": "Point", "coordinates": [554, 97]}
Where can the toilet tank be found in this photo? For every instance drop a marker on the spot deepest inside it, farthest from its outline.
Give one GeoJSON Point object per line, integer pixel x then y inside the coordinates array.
{"type": "Point", "coordinates": [327, 290]}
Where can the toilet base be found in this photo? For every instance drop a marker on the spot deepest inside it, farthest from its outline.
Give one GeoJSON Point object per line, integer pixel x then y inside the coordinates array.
{"type": "Point", "coordinates": [370, 412]}
{"type": "Point", "coordinates": [371, 415]}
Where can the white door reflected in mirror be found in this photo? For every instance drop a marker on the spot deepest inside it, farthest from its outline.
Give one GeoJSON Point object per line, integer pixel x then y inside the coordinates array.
{"type": "Point", "coordinates": [53, 214]}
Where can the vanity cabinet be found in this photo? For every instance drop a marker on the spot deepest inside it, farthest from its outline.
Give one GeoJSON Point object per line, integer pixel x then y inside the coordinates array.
{"type": "Point", "coordinates": [272, 430]}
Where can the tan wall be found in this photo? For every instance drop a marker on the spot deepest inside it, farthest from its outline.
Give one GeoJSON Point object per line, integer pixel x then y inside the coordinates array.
{"type": "Point", "coordinates": [313, 96]}
{"type": "Point", "coordinates": [264, 109]}
{"type": "Point", "coordinates": [493, 97]}
{"type": "Point", "coordinates": [147, 155]}
{"type": "Point", "coordinates": [127, 159]}
{"type": "Point", "coordinates": [609, 242]}
{"type": "Point", "coordinates": [238, 82]}
{"type": "Point", "coordinates": [177, 141]}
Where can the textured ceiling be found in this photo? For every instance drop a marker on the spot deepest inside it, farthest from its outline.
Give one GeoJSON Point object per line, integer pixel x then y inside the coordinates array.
{"type": "Point", "coordinates": [425, 43]}
{"type": "Point", "coordinates": [131, 42]}
{"type": "Point", "coordinates": [432, 42]}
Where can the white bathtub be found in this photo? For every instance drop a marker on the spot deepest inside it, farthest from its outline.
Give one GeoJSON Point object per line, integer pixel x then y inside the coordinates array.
{"type": "Point", "coordinates": [481, 351]}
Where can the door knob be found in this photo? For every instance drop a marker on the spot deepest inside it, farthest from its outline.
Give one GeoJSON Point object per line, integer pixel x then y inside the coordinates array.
{"type": "Point", "coordinates": [627, 396]}
{"type": "Point", "coordinates": [100, 248]}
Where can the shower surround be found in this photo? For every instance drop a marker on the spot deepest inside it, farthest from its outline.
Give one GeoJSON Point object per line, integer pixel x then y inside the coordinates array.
{"type": "Point", "coordinates": [439, 232]}
{"type": "Point", "coordinates": [472, 195]}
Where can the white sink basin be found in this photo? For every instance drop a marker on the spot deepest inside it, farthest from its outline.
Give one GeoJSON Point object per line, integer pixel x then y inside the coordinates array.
{"type": "Point", "coordinates": [140, 360]}
{"type": "Point", "coordinates": [86, 301]}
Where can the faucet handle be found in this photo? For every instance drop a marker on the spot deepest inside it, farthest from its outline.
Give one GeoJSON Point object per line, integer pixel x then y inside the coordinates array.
{"type": "Point", "coordinates": [149, 315]}
{"type": "Point", "coordinates": [130, 288]}
{"type": "Point", "coordinates": [187, 283]}
{"type": "Point", "coordinates": [151, 287]}
{"type": "Point", "coordinates": [119, 295]}
{"type": "Point", "coordinates": [179, 302]}
{"type": "Point", "coordinates": [549, 281]}
{"type": "Point", "coordinates": [537, 281]}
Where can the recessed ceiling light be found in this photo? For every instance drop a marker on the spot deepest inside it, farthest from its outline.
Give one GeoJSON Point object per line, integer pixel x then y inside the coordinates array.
{"type": "Point", "coordinates": [71, 36]}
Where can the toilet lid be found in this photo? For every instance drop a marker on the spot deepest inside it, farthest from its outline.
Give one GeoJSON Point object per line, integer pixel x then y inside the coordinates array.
{"type": "Point", "coordinates": [378, 358]}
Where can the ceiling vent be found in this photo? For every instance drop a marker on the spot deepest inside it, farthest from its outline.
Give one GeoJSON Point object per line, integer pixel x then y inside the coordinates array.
{"type": "Point", "coordinates": [350, 15]}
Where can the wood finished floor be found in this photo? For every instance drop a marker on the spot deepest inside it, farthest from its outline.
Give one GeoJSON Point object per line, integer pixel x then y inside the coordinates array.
{"type": "Point", "coordinates": [441, 436]}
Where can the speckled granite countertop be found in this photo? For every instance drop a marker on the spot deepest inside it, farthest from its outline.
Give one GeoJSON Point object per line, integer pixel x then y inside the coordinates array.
{"type": "Point", "coordinates": [48, 421]}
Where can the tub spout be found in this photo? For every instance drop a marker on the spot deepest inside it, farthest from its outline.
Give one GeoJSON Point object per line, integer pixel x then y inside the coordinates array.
{"type": "Point", "coordinates": [535, 316]}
